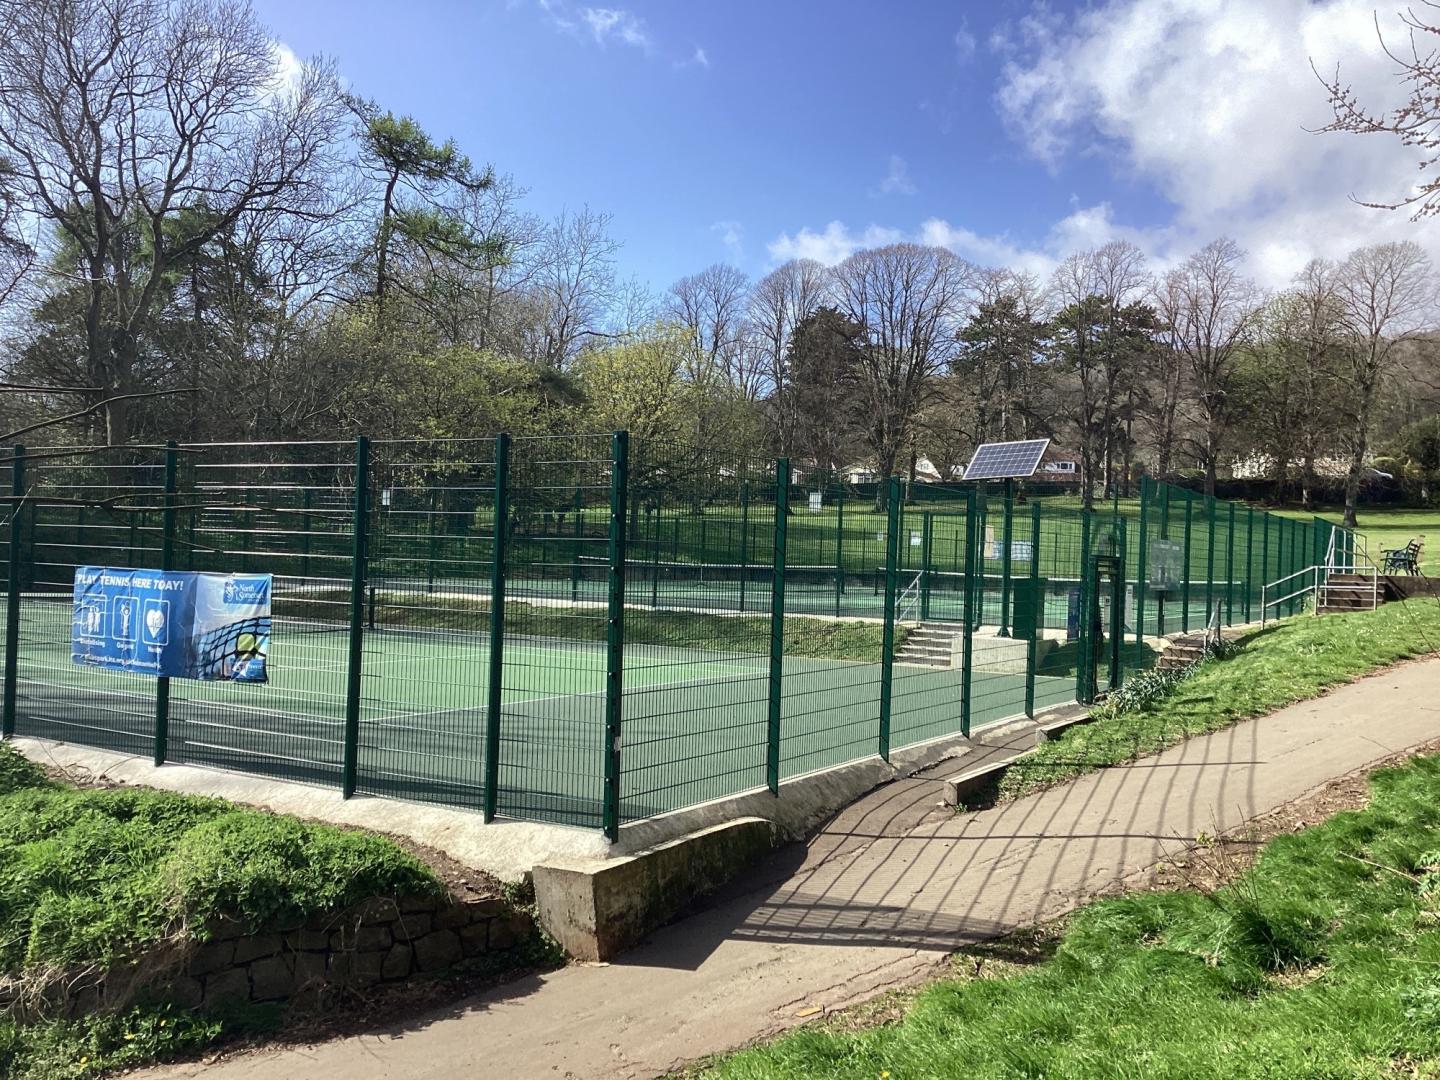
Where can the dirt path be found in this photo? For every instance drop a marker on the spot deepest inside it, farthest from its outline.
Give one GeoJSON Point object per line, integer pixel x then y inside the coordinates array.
{"type": "Point", "coordinates": [875, 901]}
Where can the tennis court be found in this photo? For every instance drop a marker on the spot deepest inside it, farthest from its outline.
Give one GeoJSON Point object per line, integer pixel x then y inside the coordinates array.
{"type": "Point", "coordinates": [694, 722]}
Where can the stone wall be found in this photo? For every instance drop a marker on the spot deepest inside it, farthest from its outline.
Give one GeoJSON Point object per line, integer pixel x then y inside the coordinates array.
{"type": "Point", "coordinates": [382, 941]}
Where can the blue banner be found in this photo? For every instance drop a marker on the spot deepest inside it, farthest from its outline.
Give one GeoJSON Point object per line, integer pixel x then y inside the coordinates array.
{"type": "Point", "coordinates": [176, 624]}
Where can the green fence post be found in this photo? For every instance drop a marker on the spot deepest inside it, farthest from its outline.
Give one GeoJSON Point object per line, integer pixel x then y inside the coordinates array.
{"type": "Point", "coordinates": [500, 534]}
{"type": "Point", "coordinates": [359, 553]}
{"type": "Point", "coordinates": [1142, 570]}
{"type": "Point", "coordinates": [1230, 568]}
{"type": "Point", "coordinates": [1249, 559]}
{"type": "Point", "coordinates": [1209, 557]}
{"type": "Point", "coordinates": [1038, 598]}
{"type": "Point", "coordinates": [167, 556]}
{"type": "Point", "coordinates": [887, 639]}
{"type": "Point", "coordinates": [744, 537]}
{"type": "Point", "coordinates": [305, 503]}
{"type": "Point", "coordinates": [927, 534]}
{"type": "Point", "coordinates": [1265, 577]}
{"type": "Point", "coordinates": [967, 645]}
{"type": "Point", "coordinates": [839, 549]}
{"type": "Point", "coordinates": [1117, 609]}
{"type": "Point", "coordinates": [777, 625]}
{"type": "Point", "coordinates": [12, 594]}
{"type": "Point", "coordinates": [1085, 676]}
{"type": "Point", "coordinates": [579, 545]}
{"type": "Point", "coordinates": [1006, 530]}
{"type": "Point", "coordinates": [615, 632]}
{"type": "Point", "coordinates": [1185, 570]}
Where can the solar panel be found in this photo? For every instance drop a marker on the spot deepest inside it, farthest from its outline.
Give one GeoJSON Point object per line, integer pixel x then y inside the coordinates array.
{"type": "Point", "coordinates": [1006, 460]}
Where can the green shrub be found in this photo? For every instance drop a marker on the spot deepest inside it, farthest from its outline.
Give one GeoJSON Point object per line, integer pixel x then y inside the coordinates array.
{"type": "Point", "coordinates": [18, 772]}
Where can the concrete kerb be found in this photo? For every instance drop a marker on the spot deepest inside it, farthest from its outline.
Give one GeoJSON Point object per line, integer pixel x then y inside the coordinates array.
{"type": "Point", "coordinates": [1049, 725]}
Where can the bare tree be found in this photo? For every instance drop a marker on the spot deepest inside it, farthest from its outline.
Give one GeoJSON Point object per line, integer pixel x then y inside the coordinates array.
{"type": "Point", "coordinates": [574, 285]}
{"type": "Point", "coordinates": [910, 300]}
{"type": "Point", "coordinates": [780, 302]}
{"type": "Point", "coordinates": [1209, 306]}
{"type": "Point", "coordinates": [142, 130]}
{"type": "Point", "coordinates": [1416, 122]}
{"type": "Point", "coordinates": [710, 306]}
{"type": "Point", "coordinates": [1385, 292]}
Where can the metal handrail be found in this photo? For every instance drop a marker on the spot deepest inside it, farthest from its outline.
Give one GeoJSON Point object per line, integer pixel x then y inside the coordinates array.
{"type": "Point", "coordinates": [913, 592]}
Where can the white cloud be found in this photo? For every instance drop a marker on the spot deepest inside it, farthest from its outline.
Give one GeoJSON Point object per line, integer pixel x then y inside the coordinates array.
{"type": "Point", "coordinates": [616, 24]}
{"type": "Point", "coordinates": [834, 244]}
{"type": "Point", "coordinates": [896, 180]}
{"type": "Point", "coordinates": [1081, 229]}
{"type": "Point", "coordinates": [697, 59]}
{"type": "Point", "coordinates": [965, 44]}
{"type": "Point", "coordinates": [1209, 102]}
{"type": "Point", "coordinates": [732, 235]}
{"type": "Point", "coordinates": [289, 70]}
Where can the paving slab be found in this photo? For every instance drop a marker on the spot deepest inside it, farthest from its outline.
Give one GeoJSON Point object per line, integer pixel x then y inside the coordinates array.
{"type": "Point", "coordinates": [876, 900]}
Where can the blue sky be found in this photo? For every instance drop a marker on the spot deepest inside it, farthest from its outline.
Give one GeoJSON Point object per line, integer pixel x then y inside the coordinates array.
{"type": "Point", "coordinates": [1012, 132]}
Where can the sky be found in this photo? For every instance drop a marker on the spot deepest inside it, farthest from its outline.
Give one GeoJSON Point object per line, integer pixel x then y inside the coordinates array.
{"type": "Point", "coordinates": [1012, 132]}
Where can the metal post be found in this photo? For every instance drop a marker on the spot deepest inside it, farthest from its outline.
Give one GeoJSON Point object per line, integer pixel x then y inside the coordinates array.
{"type": "Point", "coordinates": [359, 553]}
{"type": "Point", "coordinates": [744, 537]}
{"type": "Point", "coordinates": [1038, 599]}
{"type": "Point", "coordinates": [777, 625]}
{"type": "Point", "coordinates": [12, 595]}
{"type": "Point", "coordinates": [1117, 608]}
{"type": "Point", "coordinates": [973, 539]}
{"type": "Point", "coordinates": [500, 533]}
{"type": "Point", "coordinates": [927, 533]}
{"type": "Point", "coordinates": [839, 549]}
{"type": "Point", "coordinates": [1209, 556]}
{"type": "Point", "coordinates": [615, 632]}
{"type": "Point", "coordinates": [430, 542]}
{"type": "Point", "coordinates": [1006, 529]}
{"type": "Point", "coordinates": [1249, 558]}
{"type": "Point", "coordinates": [887, 640]}
{"type": "Point", "coordinates": [579, 547]}
{"type": "Point", "coordinates": [1082, 639]}
{"type": "Point", "coordinates": [1265, 578]}
{"type": "Point", "coordinates": [1185, 568]}
{"type": "Point", "coordinates": [167, 555]}
{"type": "Point", "coordinates": [305, 502]}
{"type": "Point", "coordinates": [1230, 568]}
{"type": "Point", "coordinates": [1142, 569]}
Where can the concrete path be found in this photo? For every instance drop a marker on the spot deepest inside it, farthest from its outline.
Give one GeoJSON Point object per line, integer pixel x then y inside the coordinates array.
{"type": "Point", "coordinates": [875, 901]}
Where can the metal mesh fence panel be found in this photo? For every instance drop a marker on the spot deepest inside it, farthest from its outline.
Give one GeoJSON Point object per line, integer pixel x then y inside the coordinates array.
{"type": "Point", "coordinates": [425, 691]}
{"type": "Point", "coordinates": [287, 510]}
{"type": "Point", "coordinates": [697, 632]}
{"type": "Point", "coordinates": [556, 661]}
{"type": "Point", "coordinates": [93, 507]}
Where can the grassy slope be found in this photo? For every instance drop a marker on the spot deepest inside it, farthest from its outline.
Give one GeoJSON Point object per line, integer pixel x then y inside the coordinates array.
{"type": "Point", "coordinates": [1287, 662]}
{"type": "Point", "coordinates": [1315, 963]}
{"type": "Point", "coordinates": [92, 877]}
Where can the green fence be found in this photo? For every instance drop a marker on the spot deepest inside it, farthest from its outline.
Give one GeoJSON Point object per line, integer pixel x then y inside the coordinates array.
{"type": "Point", "coordinates": [590, 630]}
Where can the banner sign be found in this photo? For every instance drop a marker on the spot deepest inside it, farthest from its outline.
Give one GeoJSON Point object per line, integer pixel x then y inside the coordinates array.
{"type": "Point", "coordinates": [176, 624]}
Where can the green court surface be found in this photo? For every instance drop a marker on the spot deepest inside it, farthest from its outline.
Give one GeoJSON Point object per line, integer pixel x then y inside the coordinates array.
{"type": "Point", "coordinates": [694, 721]}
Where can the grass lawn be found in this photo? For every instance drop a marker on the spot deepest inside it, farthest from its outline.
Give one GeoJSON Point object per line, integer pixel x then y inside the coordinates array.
{"type": "Point", "coordinates": [1386, 527]}
{"type": "Point", "coordinates": [1286, 662]}
{"type": "Point", "coordinates": [94, 878]}
{"type": "Point", "coordinates": [1321, 960]}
